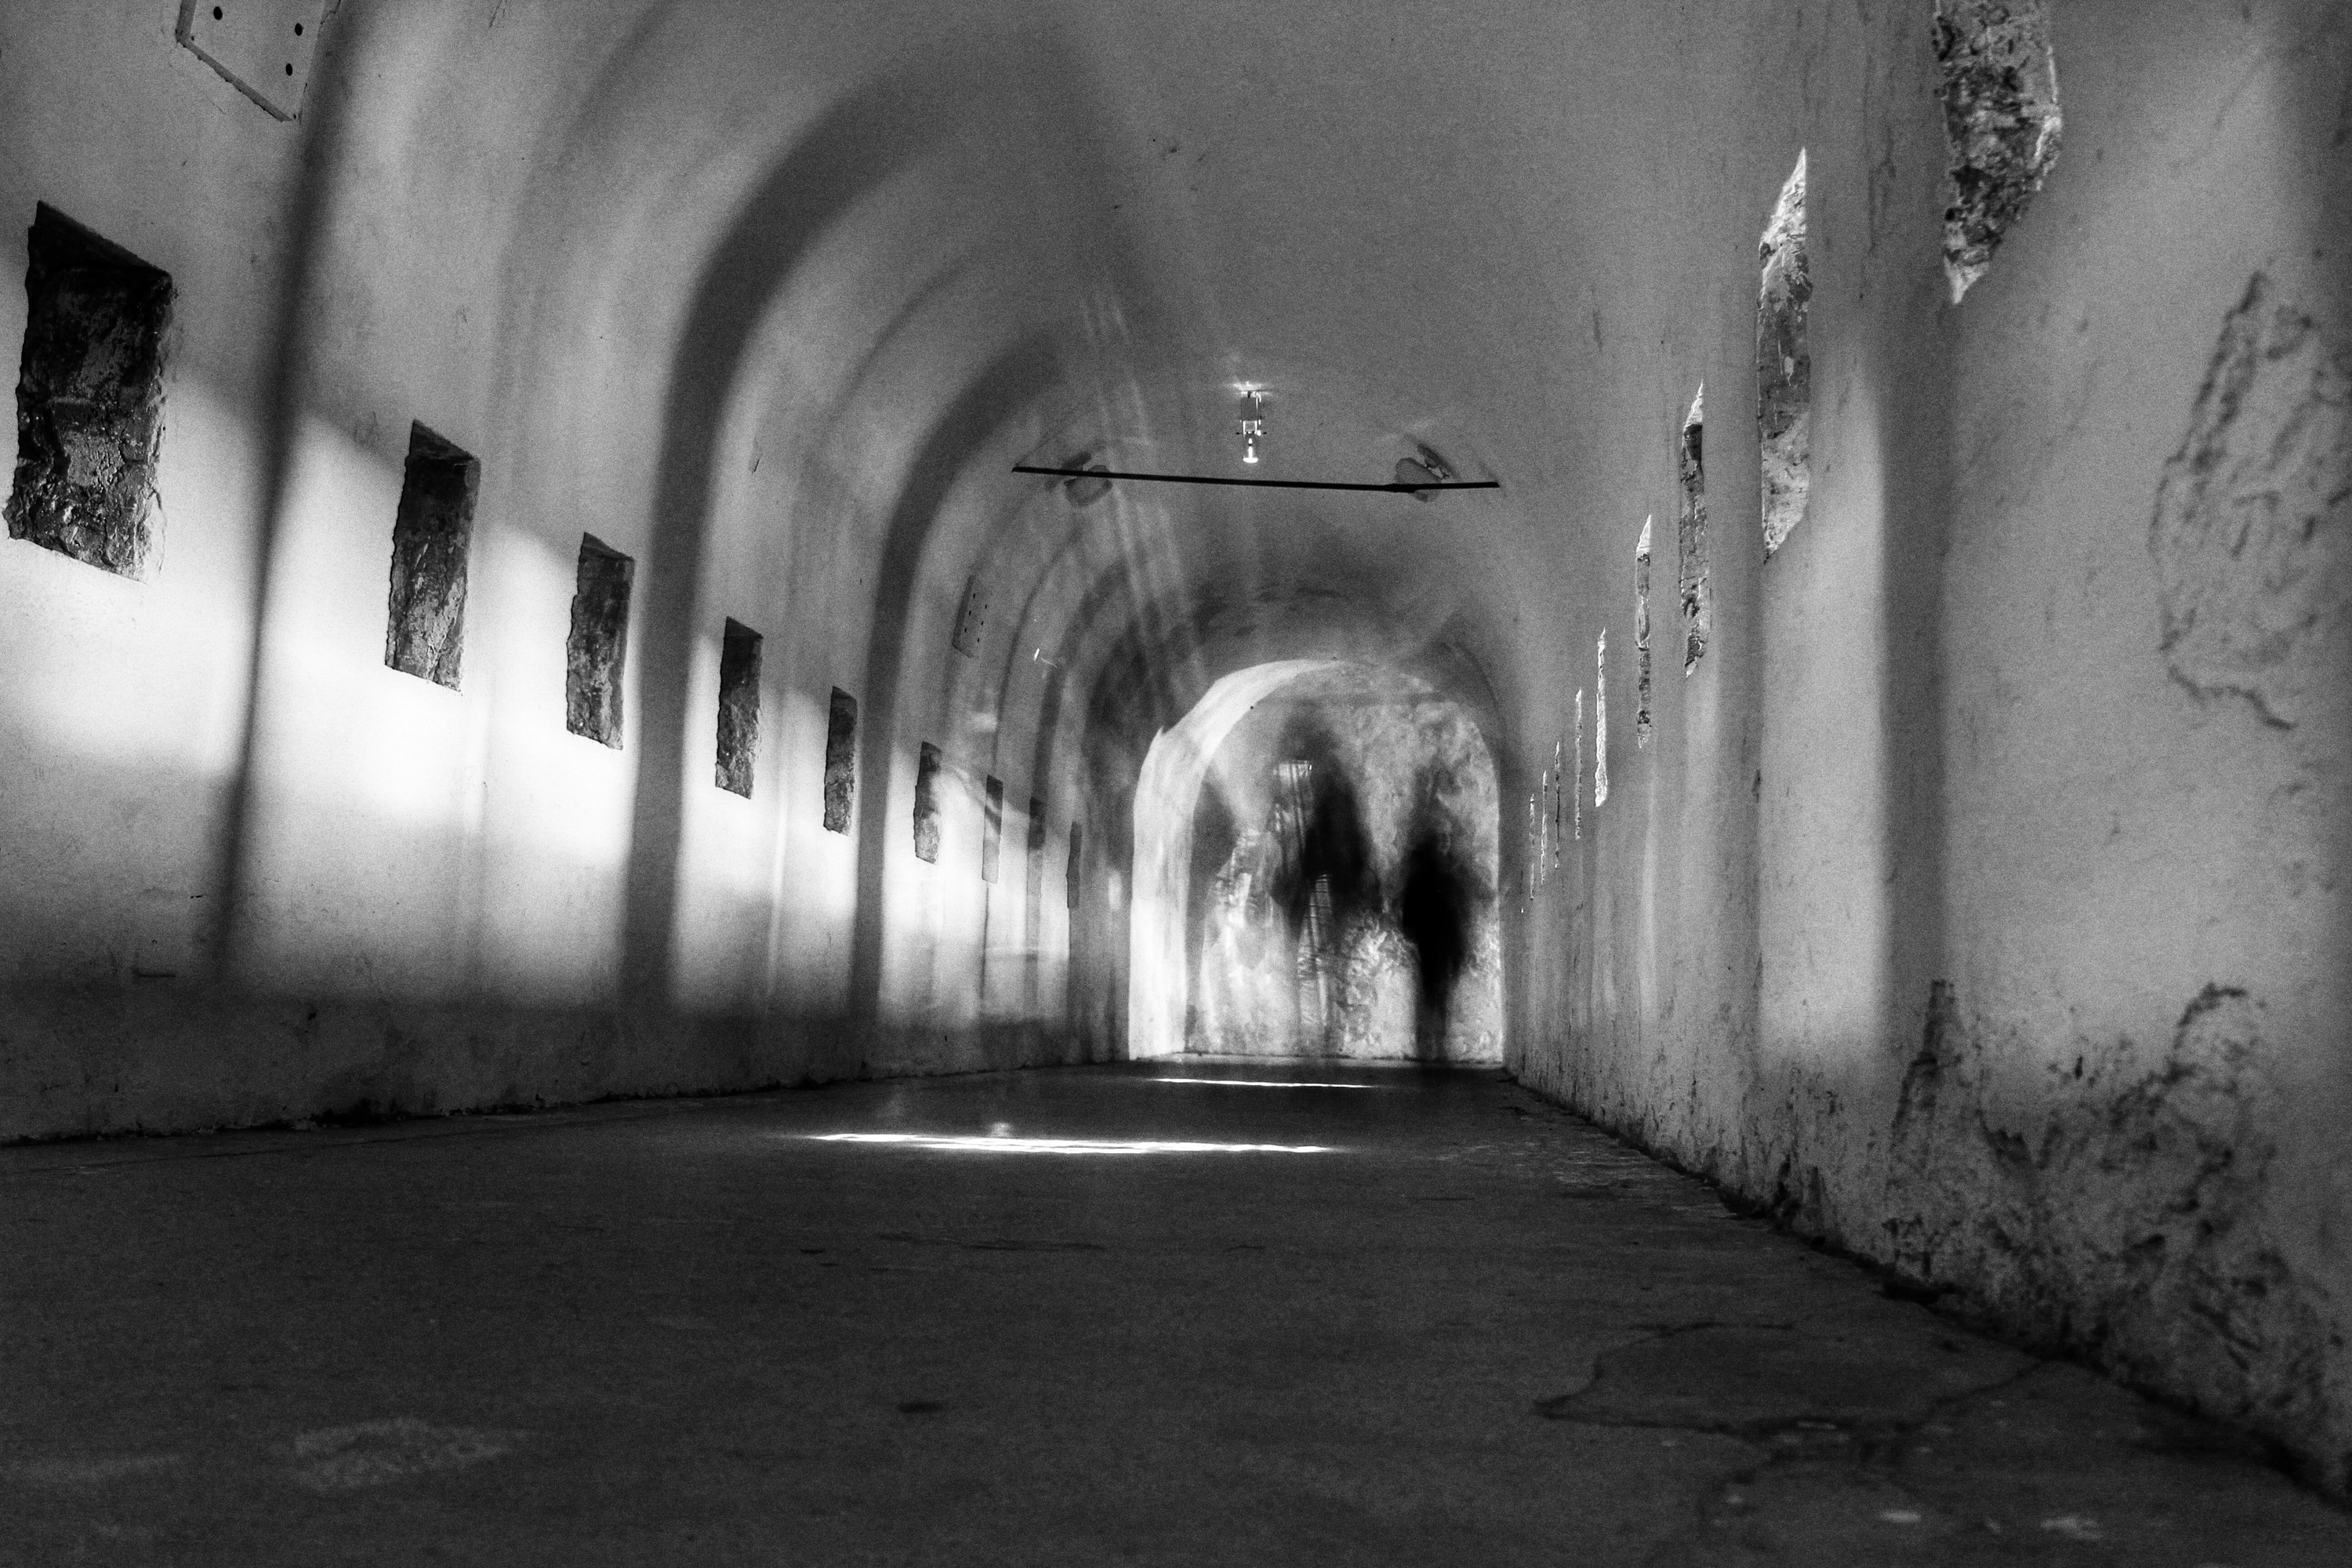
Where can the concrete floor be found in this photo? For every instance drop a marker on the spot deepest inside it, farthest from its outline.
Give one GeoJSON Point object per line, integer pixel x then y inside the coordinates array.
{"type": "Point", "coordinates": [1466, 1329]}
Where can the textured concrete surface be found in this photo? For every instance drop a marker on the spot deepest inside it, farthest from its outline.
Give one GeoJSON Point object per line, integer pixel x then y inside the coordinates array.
{"type": "Point", "coordinates": [1464, 1327]}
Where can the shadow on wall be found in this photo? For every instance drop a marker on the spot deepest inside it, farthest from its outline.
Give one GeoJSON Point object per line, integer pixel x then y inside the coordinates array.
{"type": "Point", "coordinates": [1344, 884]}
{"type": "Point", "coordinates": [434, 1009]}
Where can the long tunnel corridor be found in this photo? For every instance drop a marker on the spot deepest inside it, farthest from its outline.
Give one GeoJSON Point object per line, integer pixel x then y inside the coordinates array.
{"type": "Point", "coordinates": [1730, 620]}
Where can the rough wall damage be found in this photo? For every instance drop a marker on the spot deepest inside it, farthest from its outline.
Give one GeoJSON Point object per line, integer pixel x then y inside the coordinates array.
{"type": "Point", "coordinates": [1690, 533]}
{"type": "Point", "coordinates": [89, 397]}
{"type": "Point", "coordinates": [840, 759]}
{"type": "Point", "coordinates": [2251, 518]}
{"type": "Point", "coordinates": [432, 534]}
{"type": "Point", "coordinates": [2120, 1208]}
{"type": "Point", "coordinates": [1784, 364]}
{"type": "Point", "coordinates": [739, 709]}
{"type": "Point", "coordinates": [2001, 120]}
{"type": "Point", "coordinates": [599, 644]}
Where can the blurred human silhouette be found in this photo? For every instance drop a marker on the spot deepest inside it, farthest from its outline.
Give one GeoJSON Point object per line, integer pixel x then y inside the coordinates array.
{"type": "Point", "coordinates": [1432, 913]}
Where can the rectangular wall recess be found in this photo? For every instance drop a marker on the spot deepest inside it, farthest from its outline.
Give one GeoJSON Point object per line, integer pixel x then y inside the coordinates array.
{"type": "Point", "coordinates": [599, 645]}
{"type": "Point", "coordinates": [89, 397]}
{"type": "Point", "coordinates": [991, 831]}
{"type": "Point", "coordinates": [840, 760]}
{"type": "Point", "coordinates": [1075, 875]}
{"type": "Point", "coordinates": [424, 629]}
{"type": "Point", "coordinates": [927, 805]}
{"type": "Point", "coordinates": [739, 709]}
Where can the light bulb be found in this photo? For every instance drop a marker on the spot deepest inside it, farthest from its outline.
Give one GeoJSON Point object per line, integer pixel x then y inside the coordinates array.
{"type": "Point", "coordinates": [1252, 422]}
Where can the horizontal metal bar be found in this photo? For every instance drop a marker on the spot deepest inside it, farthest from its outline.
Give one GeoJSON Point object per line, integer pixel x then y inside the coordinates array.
{"type": "Point", "coordinates": [1263, 484]}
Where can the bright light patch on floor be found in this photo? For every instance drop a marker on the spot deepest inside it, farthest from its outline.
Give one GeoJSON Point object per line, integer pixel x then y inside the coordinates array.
{"type": "Point", "coordinates": [997, 1145]}
{"type": "Point", "coordinates": [1265, 1083]}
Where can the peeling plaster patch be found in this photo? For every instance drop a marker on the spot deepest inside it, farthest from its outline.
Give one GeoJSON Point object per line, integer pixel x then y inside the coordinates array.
{"type": "Point", "coordinates": [1576, 790]}
{"type": "Point", "coordinates": [2251, 518]}
{"type": "Point", "coordinates": [1690, 532]}
{"type": "Point", "coordinates": [1566, 789]}
{"type": "Point", "coordinates": [927, 804]}
{"type": "Point", "coordinates": [375, 1453]}
{"type": "Point", "coordinates": [1601, 722]}
{"type": "Point", "coordinates": [2000, 122]}
{"type": "Point", "coordinates": [840, 759]}
{"type": "Point", "coordinates": [432, 533]}
{"type": "Point", "coordinates": [1535, 844]}
{"type": "Point", "coordinates": [1784, 364]}
{"type": "Point", "coordinates": [2118, 1208]}
{"type": "Point", "coordinates": [739, 709]}
{"type": "Point", "coordinates": [599, 642]}
{"type": "Point", "coordinates": [89, 397]}
{"type": "Point", "coordinates": [1642, 639]}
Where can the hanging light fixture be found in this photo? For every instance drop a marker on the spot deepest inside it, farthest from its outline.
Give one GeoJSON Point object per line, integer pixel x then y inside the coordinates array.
{"type": "Point", "coordinates": [1252, 422]}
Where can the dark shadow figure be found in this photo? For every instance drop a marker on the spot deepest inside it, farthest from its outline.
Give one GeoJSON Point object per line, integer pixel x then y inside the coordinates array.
{"type": "Point", "coordinates": [1434, 913]}
{"type": "Point", "coordinates": [1327, 881]}
{"type": "Point", "coordinates": [1333, 847]}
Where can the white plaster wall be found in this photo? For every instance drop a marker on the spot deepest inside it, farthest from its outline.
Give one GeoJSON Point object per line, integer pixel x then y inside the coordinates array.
{"type": "Point", "coordinates": [500, 239]}
{"type": "Point", "coordinates": [1934, 739]}
{"type": "Point", "coordinates": [1995, 952]}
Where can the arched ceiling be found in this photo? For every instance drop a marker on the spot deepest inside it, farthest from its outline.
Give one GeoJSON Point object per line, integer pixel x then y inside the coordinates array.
{"type": "Point", "coordinates": [802, 261]}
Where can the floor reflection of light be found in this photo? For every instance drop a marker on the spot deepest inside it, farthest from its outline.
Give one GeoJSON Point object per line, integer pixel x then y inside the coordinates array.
{"type": "Point", "coordinates": [1265, 1083]}
{"type": "Point", "coordinates": [1000, 1144]}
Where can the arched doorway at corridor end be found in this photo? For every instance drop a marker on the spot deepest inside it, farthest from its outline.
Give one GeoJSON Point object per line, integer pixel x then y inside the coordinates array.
{"type": "Point", "coordinates": [1317, 872]}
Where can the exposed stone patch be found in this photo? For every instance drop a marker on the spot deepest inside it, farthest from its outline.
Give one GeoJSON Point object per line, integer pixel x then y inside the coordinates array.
{"type": "Point", "coordinates": [2000, 121]}
{"type": "Point", "coordinates": [599, 642]}
{"type": "Point", "coordinates": [1642, 639]}
{"type": "Point", "coordinates": [927, 805]}
{"type": "Point", "coordinates": [2124, 1215]}
{"type": "Point", "coordinates": [89, 397]}
{"type": "Point", "coordinates": [1784, 364]}
{"type": "Point", "coordinates": [2254, 511]}
{"type": "Point", "coordinates": [840, 759]}
{"type": "Point", "coordinates": [425, 629]}
{"type": "Point", "coordinates": [1690, 534]}
{"type": "Point", "coordinates": [739, 709]}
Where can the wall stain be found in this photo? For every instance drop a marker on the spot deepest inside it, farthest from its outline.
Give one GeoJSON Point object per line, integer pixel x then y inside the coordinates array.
{"type": "Point", "coordinates": [2251, 516]}
{"type": "Point", "coordinates": [2127, 1223]}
